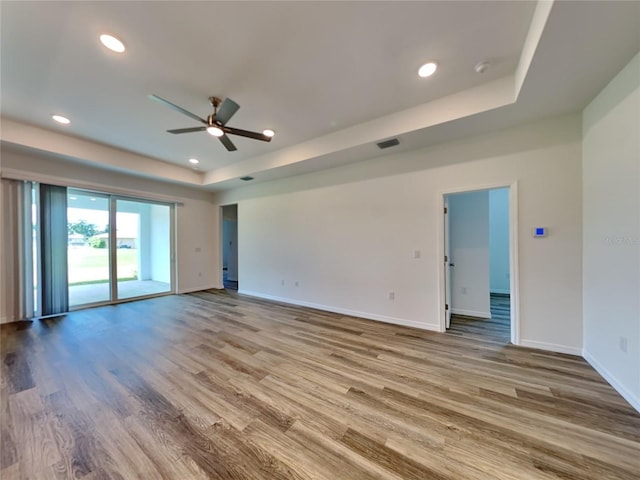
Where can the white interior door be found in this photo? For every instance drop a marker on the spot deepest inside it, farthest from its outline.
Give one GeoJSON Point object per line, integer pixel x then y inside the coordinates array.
{"type": "Point", "coordinates": [447, 266]}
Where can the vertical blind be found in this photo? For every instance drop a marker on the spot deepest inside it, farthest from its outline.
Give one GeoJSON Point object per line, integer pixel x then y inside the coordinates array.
{"type": "Point", "coordinates": [53, 249]}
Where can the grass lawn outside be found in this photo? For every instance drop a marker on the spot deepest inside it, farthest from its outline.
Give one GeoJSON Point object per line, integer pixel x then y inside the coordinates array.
{"type": "Point", "coordinates": [88, 265]}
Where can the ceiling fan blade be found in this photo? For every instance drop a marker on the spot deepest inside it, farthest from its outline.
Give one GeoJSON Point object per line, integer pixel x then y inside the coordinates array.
{"type": "Point", "coordinates": [226, 111]}
{"type": "Point", "coordinates": [187, 130]}
{"type": "Point", "coordinates": [175, 107]}
{"type": "Point", "coordinates": [246, 133]}
{"type": "Point", "coordinates": [226, 141]}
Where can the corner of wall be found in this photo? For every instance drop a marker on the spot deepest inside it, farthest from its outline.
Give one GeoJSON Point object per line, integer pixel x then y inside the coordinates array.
{"type": "Point", "coordinates": [628, 395]}
{"type": "Point", "coordinates": [611, 232]}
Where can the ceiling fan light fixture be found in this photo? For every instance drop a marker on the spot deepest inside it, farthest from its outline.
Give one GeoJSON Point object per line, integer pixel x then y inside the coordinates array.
{"type": "Point", "coordinates": [215, 131]}
{"type": "Point", "coordinates": [268, 132]}
{"type": "Point", "coordinates": [427, 69]}
{"type": "Point", "coordinates": [61, 119]}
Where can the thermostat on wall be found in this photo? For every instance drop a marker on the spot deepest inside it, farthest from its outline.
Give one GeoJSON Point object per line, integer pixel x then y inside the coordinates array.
{"type": "Point", "coordinates": [539, 232]}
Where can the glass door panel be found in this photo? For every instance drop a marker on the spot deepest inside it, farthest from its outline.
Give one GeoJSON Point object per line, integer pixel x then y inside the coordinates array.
{"type": "Point", "coordinates": [88, 247]}
{"type": "Point", "coordinates": [143, 248]}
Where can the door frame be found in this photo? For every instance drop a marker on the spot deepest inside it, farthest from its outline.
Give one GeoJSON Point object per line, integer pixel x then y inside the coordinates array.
{"type": "Point", "coordinates": [447, 264]}
{"type": "Point", "coordinates": [513, 253]}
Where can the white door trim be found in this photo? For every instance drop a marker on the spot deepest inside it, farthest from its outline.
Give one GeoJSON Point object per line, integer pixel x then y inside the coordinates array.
{"type": "Point", "coordinates": [513, 253]}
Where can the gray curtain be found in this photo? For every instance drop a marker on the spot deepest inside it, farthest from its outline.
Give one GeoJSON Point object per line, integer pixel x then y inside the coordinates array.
{"type": "Point", "coordinates": [10, 296]}
{"type": "Point", "coordinates": [53, 244]}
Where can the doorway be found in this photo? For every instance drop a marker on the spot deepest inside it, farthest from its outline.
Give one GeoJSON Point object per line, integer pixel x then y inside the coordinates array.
{"type": "Point", "coordinates": [478, 279]}
{"type": "Point", "coordinates": [230, 275]}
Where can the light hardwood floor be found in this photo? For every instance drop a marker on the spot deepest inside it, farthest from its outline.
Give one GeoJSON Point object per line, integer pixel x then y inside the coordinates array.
{"type": "Point", "coordinates": [216, 385]}
{"type": "Point", "coordinates": [497, 328]}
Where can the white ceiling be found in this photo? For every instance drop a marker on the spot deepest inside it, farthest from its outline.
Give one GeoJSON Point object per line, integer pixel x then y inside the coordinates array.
{"type": "Point", "coordinates": [331, 78]}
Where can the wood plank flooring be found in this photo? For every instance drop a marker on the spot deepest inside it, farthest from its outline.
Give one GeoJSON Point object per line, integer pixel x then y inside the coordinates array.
{"type": "Point", "coordinates": [497, 328]}
{"type": "Point", "coordinates": [219, 386]}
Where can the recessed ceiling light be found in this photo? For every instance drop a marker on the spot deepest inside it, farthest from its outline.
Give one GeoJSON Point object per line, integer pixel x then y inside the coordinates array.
{"type": "Point", "coordinates": [427, 69]}
{"type": "Point", "coordinates": [268, 132]}
{"type": "Point", "coordinates": [194, 161]}
{"type": "Point", "coordinates": [61, 119]}
{"type": "Point", "coordinates": [92, 199]}
{"type": "Point", "coordinates": [215, 131]}
{"type": "Point", "coordinates": [112, 43]}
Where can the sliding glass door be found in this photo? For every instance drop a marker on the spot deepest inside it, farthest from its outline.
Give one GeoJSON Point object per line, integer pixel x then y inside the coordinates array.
{"type": "Point", "coordinates": [143, 245]}
{"type": "Point", "coordinates": [118, 248]}
{"type": "Point", "coordinates": [88, 250]}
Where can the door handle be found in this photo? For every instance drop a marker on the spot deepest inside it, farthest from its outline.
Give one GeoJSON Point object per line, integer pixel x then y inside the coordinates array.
{"type": "Point", "coordinates": [451, 265]}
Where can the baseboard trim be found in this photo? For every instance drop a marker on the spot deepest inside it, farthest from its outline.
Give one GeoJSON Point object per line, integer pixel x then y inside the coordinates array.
{"type": "Point", "coordinates": [344, 311]}
{"type": "Point", "coordinates": [552, 347]}
{"type": "Point", "coordinates": [5, 319]}
{"type": "Point", "coordinates": [611, 379]}
{"type": "Point", "coordinates": [470, 313]}
{"type": "Point", "coordinates": [199, 289]}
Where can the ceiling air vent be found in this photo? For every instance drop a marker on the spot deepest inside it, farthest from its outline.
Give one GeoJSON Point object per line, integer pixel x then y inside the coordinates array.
{"type": "Point", "coordinates": [388, 143]}
{"type": "Point", "coordinates": [246, 179]}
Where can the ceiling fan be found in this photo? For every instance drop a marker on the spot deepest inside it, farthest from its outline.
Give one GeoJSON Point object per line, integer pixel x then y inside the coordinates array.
{"type": "Point", "coordinates": [216, 124]}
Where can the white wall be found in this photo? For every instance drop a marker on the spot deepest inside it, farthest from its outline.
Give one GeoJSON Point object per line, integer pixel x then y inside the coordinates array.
{"type": "Point", "coordinates": [197, 216]}
{"type": "Point", "coordinates": [469, 251]}
{"type": "Point", "coordinates": [499, 240]}
{"type": "Point", "coordinates": [348, 235]}
{"type": "Point", "coordinates": [611, 169]}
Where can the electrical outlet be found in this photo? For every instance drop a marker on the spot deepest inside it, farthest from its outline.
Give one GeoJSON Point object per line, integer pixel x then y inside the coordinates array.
{"type": "Point", "coordinates": [281, 282]}
{"type": "Point", "coordinates": [416, 254]}
{"type": "Point", "coordinates": [623, 344]}
{"type": "Point", "coordinates": [297, 284]}
{"type": "Point", "coordinates": [463, 290]}
{"type": "Point", "coordinates": [392, 295]}
{"type": "Point", "coordinates": [199, 274]}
